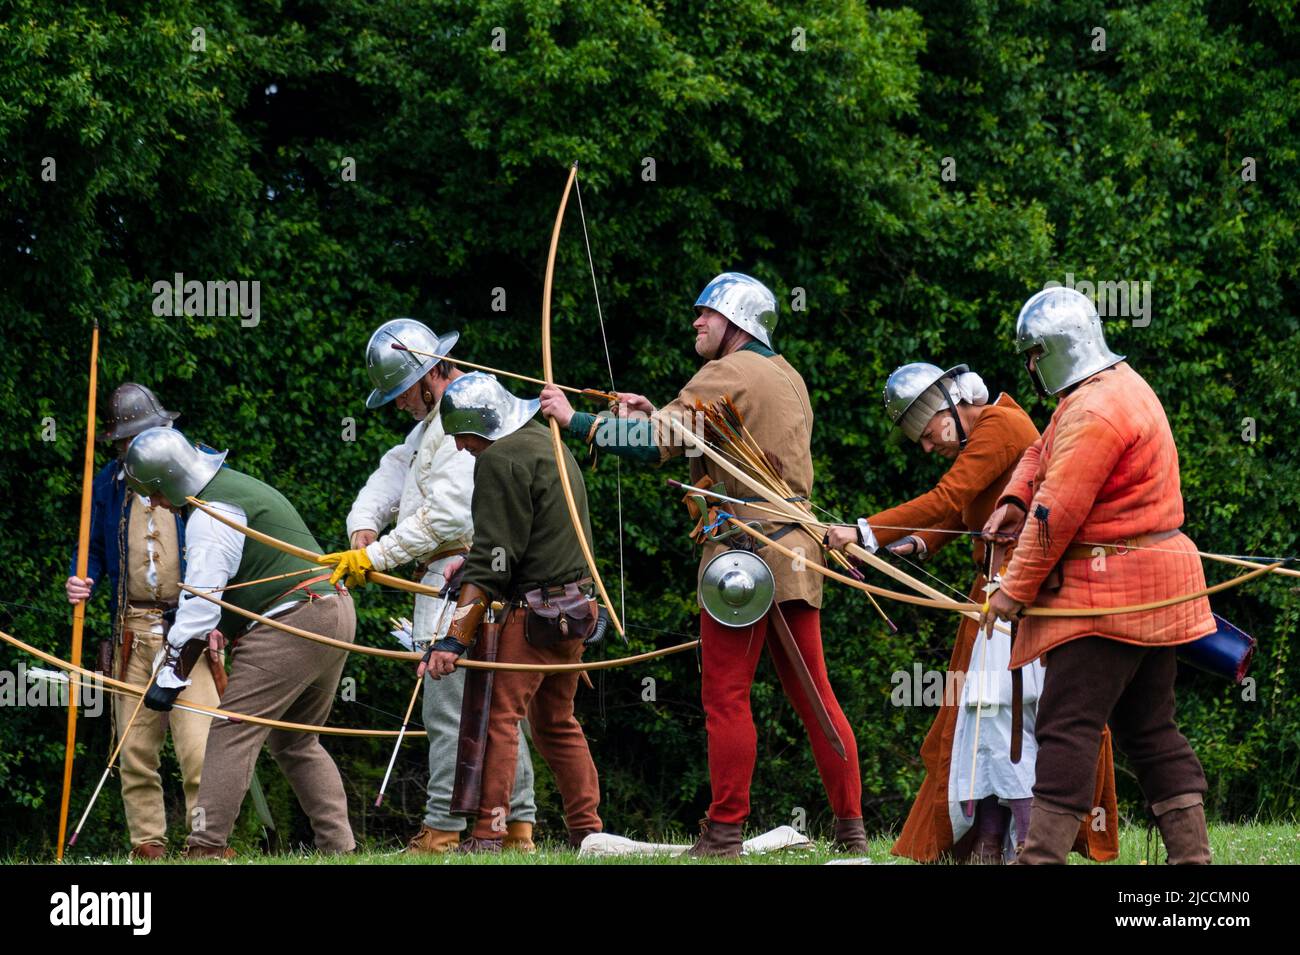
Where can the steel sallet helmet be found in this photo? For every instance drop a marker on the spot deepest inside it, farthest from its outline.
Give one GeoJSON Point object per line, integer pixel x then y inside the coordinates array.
{"type": "Point", "coordinates": [905, 388]}
{"type": "Point", "coordinates": [132, 409]}
{"type": "Point", "coordinates": [1064, 323]}
{"type": "Point", "coordinates": [744, 301]}
{"type": "Point", "coordinates": [393, 370]}
{"type": "Point", "coordinates": [478, 404]}
{"type": "Point", "coordinates": [161, 461]}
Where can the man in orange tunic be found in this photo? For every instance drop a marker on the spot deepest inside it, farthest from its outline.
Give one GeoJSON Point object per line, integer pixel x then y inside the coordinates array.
{"type": "Point", "coordinates": [1101, 496]}
{"type": "Point", "coordinates": [948, 414]}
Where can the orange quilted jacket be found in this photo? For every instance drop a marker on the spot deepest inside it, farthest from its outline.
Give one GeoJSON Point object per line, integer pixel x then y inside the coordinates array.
{"type": "Point", "coordinates": [1106, 469]}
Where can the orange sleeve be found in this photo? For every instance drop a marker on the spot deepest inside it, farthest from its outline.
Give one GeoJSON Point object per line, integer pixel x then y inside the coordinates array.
{"type": "Point", "coordinates": [1085, 450]}
{"type": "Point", "coordinates": [986, 456]}
{"type": "Point", "coordinates": [1021, 484]}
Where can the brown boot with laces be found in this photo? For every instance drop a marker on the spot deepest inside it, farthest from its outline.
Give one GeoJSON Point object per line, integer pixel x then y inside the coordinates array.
{"type": "Point", "coordinates": [720, 840]}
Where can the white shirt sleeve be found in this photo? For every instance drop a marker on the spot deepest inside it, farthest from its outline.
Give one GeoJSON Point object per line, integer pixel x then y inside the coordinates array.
{"type": "Point", "coordinates": [377, 503]}
{"type": "Point", "coordinates": [212, 555]}
{"type": "Point", "coordinates": [443, 517]}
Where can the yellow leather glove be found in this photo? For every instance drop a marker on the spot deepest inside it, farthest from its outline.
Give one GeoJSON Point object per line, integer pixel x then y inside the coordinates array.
{"type": "Point", "coordinates": [349, 564]}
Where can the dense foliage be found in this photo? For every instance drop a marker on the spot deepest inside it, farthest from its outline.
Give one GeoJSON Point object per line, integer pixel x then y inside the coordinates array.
{"type": "Point", "coordinates": [805, 143]}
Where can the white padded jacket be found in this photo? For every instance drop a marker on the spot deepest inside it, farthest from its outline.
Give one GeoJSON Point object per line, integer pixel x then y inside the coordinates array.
{"type": "Point", "coordinates": [423, 486]}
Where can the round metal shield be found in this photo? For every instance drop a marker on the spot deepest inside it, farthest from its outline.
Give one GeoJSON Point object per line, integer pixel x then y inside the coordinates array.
{"type": "Point", "coordinates": [737, 588]}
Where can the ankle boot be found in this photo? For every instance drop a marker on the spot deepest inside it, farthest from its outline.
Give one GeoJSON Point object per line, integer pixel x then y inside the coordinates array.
{"type": "Point", "coordinates": [432, 841]}
{"type": "Point", "coordinates": [1051, 835]}
{"type": "Point", "coordinates": [577, 835]}
{"type": "Point", "coordinates": [519, 837]}
{"type": "Point", "coordinates": [1187, 840]}
{"type": "Point", "coordinates": [473, 845]}
{"type": "Point", "coordinates": [148, 851]}
{"type": "Point", "coordinates": [717, 840]}
{"type": "Point", "coordinates": [850, 836]}
{"type": "Point", "coordinates": [985, 850]}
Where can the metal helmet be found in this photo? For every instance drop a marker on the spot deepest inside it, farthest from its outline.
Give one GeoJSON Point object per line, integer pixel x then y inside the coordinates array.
{"type": "Point", "coordinates": [912, 398]}
{"type": "Point", "coordinates": [744, 301]}
{"type": "Point", "coordinates": [393, 370]}
{"type": "Point", "coordinates": [162, 461]}
{"type": "Point", "coordinates": [1064, 323]}
{"type": "Point", "coordinates": [479, 404]}
{"type": "Point", "coordinates": [132, 409]}
{"type": "Point", "coordinates": [737, 588]}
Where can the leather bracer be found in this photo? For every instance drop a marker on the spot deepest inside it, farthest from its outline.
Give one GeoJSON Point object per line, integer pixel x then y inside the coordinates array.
{"type": "Point", "coordinates": [470, 608]}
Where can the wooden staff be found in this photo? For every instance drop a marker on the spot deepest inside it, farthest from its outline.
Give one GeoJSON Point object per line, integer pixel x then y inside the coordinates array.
{"type": "Point", "coordinates": [79, 609]}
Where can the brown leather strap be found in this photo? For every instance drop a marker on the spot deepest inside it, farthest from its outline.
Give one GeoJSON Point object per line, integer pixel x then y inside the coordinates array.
{"type": "Point", "coordinates": [299, 586]}
{"type": "Point", "coordinates": [422, 568]}
{"type": "Point", "coordinates": [1119, 548]}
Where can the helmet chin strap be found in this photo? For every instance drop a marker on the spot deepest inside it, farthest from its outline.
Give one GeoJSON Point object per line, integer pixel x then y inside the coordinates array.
{"type": "Point", "coordinates": [728, 337]}
{"type": "Point", "coordinates": [956, 418]}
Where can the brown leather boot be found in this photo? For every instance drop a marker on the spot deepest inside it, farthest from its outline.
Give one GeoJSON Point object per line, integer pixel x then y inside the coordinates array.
{"type": "Point", "coordinates": [223, 853]}
{"type": "Point", "coordinates": [519, 837]}
{"type": "Point", "coordinates": [430, 841]}
{"type": "Point", "coordinates": [1051, 834]}
{"type": "Point", "coordinates": [148, 851]}
{"type": "Point", "coordinates": [717, 840]}
{"type": "Point", "coordinates": [986, 850]}
{"type": "Point", "coordinates": [1187, 839]}
{"type": "Point", "coordinates": [473, 845]}
{"type": "Point", "coordinates": [850, 836]}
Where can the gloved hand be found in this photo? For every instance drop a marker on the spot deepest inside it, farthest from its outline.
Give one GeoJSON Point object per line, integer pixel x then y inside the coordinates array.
{"type": "Point", "coordinates": [350, 564]}
{"type": "Point", "coordinates": [167, 685]}
{"type": "Point", "coordinates": [909, 546]}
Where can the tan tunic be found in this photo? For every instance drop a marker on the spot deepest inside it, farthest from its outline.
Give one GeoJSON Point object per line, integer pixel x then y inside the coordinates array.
{"type": "Point", "coordinates": [773, 401]}
{"type": "Point", "coordinates": [153, 564]}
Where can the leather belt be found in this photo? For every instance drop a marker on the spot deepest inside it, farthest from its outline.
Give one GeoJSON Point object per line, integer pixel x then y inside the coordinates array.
{"type": "Point", "coordinates": [423, 568]}
{"type": "Point", "coordinates": [151, 605]}
{"type": "Point", "coordinates": [586, 583]}
{"type": "Point", "coordinates": [1119, 548]}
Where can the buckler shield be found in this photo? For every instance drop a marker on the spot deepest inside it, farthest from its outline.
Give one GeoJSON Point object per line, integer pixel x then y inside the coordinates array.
{"type": "Point", "coordinates": [737, 588]}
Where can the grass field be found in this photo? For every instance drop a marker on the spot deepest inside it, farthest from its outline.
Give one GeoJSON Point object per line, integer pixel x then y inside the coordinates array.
{"type": "Point", "coordinates": [1244, 844]}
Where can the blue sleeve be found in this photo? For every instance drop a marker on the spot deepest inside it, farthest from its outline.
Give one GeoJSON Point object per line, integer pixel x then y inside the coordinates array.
{"type": "Point", "coordinates": [100, 497]}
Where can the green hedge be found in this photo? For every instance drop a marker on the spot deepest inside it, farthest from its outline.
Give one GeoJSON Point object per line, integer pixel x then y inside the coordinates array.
{"type": "Point", "coordinates": [817, 168]}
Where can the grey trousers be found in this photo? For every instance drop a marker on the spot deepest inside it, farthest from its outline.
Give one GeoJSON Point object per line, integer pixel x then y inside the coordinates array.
{"type": "Point", "coordinates": [441, 712]}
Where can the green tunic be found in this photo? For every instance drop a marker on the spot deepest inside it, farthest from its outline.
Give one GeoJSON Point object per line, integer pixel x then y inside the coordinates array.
{"type": "Point", "coordinates": [267, 511]}
{"type": "Point", "coordinates": [523, 537]}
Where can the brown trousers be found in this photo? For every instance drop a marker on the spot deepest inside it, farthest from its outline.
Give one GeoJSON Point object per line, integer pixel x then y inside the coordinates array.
{"type": "Point", "coordinates": [280, 676]}
{"type": "Point", "coordinates": [546, 699]}
{"type": "Point", "coordinates": [1090, 682]}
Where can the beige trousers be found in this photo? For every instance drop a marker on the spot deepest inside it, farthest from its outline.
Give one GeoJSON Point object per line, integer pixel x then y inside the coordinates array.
{"type": "Point", "coordinates": [280, 676]}
{"type": "Point", "coordinates": [142, 793]}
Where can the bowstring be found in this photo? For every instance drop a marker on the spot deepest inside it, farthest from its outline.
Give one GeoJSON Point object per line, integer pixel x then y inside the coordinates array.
{"type": "Point", "coordinates": [609, 366]}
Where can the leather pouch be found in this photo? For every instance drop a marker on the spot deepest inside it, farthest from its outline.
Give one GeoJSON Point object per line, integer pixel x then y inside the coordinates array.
{"type": "Point", "coordinates": [556, 614]}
